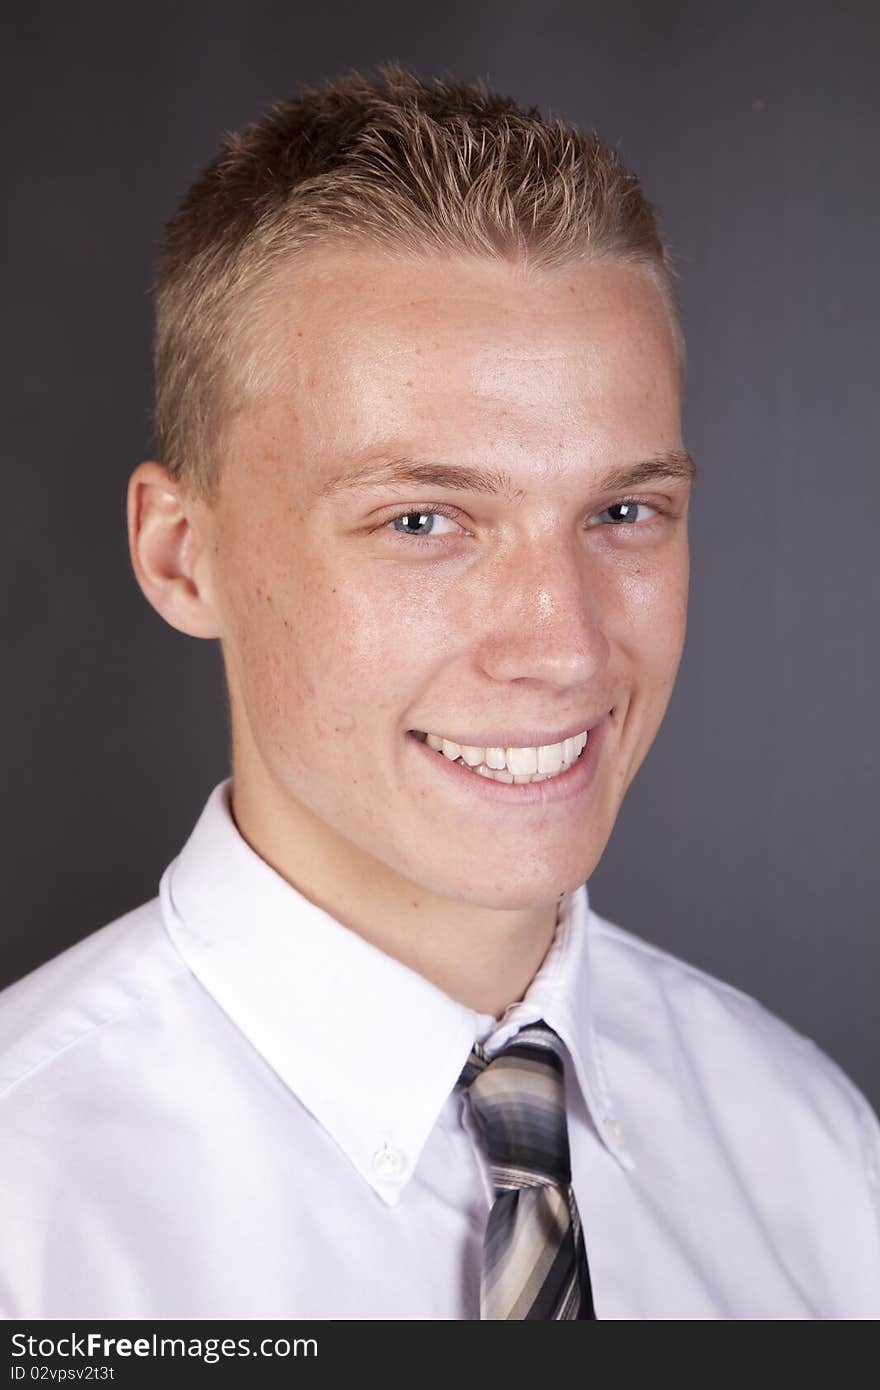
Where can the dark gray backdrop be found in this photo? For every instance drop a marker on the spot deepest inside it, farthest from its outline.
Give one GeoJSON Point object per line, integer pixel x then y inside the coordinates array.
{"type": "Point", "coordinates": [748, 843]}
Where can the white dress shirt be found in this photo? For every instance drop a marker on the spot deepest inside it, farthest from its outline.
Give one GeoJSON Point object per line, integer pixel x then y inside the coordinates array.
{"type": "Point", "coordinates": [226, 1104]}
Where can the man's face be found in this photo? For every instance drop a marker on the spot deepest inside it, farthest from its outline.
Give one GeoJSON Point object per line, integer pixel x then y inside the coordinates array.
{"type": "Point", "coordinates": [354, 613]}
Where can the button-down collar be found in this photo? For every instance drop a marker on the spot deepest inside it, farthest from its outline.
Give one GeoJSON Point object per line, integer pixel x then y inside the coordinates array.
{"type": "Point", "coordinates": [369, 1046]}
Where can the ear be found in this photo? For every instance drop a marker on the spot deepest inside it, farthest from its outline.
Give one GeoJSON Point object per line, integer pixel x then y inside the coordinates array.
{"type": "Point", "coordinates": [166, 541]}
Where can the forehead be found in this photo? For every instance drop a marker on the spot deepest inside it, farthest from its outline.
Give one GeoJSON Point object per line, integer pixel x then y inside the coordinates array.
{"type": "Point", "coordinates": [465, 357]}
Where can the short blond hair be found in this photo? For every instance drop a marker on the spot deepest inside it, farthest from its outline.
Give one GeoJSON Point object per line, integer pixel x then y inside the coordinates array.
{"type": "Point", "coordinates": [419, 167]}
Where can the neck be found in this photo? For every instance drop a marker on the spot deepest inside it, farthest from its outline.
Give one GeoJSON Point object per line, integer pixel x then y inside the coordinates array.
{"type": "Point", "coordinates": [483, 957]}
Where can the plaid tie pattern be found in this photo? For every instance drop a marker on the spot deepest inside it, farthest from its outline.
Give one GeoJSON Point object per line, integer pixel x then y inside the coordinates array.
{"type": "Point", "coordinates": [534, 1259]}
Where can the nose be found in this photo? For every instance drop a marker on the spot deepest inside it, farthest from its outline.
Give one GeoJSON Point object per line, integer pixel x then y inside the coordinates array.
{"type": "Point", "coordinates": [544, 615]}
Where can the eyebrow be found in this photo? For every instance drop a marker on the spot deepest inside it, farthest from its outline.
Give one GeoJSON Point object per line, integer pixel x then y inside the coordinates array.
{"type": "Point", "coordinates": [674, 465]}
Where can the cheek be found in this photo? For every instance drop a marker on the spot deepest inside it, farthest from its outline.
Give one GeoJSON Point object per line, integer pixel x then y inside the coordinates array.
{"type": "Point", "coordinates": [271, 621]}
{"type": "Point", "coordinates": [333, 649]}
{"type": "Point", "coordinates": [384, 634]}
{"type": "Point", "coordinates": [652, 615]}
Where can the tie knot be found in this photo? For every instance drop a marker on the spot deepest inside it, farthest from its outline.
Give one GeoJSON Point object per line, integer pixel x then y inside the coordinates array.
{"type": "Point", "coordinates": [518, 1099]}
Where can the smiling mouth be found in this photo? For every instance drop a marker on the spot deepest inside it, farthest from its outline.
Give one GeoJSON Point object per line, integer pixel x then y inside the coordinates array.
{"type": "Point", "coordinates": [540, 763]}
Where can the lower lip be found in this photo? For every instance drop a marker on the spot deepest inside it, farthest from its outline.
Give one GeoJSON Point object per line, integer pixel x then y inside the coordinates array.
{"type": "Point", "coordinates": [563, 787]}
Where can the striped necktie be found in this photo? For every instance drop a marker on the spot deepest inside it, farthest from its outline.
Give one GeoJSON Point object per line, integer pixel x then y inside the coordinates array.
{"type": "Point", "coordinates": [534, 1260]}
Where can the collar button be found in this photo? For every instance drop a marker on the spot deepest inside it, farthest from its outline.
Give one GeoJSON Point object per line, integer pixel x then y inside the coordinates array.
{"type": "Point", "coordinates": [613, 1130]}
{"type": "Point", "coordinates": [389, 1164]}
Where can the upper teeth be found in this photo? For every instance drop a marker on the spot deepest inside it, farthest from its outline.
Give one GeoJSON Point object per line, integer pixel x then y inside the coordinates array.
{"type": "Point", "coordinates": [547, 758]}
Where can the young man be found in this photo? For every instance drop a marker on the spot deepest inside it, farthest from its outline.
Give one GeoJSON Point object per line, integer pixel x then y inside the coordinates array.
{"type": "Point", "coordinates": [370, 1054]}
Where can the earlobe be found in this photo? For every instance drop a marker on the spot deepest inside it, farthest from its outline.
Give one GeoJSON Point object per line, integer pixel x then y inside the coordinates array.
{"type": "Point", "coordinates": [165, 547]}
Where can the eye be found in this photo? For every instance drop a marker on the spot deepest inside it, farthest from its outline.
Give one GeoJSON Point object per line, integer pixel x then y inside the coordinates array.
{"type": "Point", "coordinates": [628, 512]}
{"type": "Point", "coordinates": [420, 524]}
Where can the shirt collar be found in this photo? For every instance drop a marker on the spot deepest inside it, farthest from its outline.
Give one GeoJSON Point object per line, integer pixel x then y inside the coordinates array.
{"type": "Point", "coordinates": [369, 1046]}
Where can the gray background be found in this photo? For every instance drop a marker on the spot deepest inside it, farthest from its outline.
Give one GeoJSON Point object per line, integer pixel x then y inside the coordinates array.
{"type": "Point", "coordinates": [748, 842]}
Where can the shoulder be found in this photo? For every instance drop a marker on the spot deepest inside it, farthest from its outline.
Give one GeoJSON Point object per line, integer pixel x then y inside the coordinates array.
{"type": "Point", "coordinates": [115, 970]}
{"type": "Point", "coordinates": [722, 1043]}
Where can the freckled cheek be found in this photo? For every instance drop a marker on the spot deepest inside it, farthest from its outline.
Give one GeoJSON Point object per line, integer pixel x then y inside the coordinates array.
{"type": "Point", "coordinates": [391, 628]}
{"type": "Point", "coordinates": [275, 689]}
{"type": "Point", "coordinates": [333, 662]}
{"type": "Point", "coordinates": [385, 640]}
{"type": "Point", "coordinates": [269, 633]}
{"type": "Point", "coordinates": [650, 617]}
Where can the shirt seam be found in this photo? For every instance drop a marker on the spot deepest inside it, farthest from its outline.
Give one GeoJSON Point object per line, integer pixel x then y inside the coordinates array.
{"type": "Point", "coordinates": [180, 968]}
{"type": "Point", "coordinates": [748, 1004]}
{"type": "Point", "coordinates": [612, 932]}
{"type": "Point", "coordinates": [867, 1122]}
